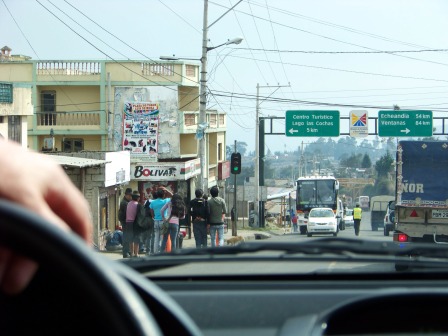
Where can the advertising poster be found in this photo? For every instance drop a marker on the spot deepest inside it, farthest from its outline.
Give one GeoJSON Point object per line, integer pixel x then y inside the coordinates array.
{"type": "Point", "coordinates": [141, 128]}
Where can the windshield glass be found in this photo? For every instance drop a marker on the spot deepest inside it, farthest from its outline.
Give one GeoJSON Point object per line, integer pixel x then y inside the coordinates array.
{"type": "Point", "coordinates": [188, 143]}
{"type": "Point", "coordinates": [321, 213]}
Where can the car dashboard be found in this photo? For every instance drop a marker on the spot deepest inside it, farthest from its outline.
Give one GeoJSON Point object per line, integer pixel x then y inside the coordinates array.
{"type": "Point", "coordinates": [315, 305]}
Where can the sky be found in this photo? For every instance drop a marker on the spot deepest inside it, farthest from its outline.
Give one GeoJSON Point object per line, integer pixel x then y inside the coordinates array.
{"type": "Point", "coordinates": [342, 55]}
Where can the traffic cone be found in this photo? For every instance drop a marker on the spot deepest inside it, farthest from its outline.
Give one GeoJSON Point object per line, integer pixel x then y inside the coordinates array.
{"type": "Point", "coordinates": [168, 244]}
{"type": "Point", "coordinates": [217, 239]}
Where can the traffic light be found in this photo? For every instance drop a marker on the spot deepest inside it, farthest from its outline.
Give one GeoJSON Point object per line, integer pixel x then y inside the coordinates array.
{"type": "Point", "coordinates": [235, 163]}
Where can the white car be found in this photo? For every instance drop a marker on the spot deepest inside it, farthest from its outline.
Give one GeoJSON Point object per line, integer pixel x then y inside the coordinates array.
{"type": "Point", "coordinates": [389, 218]}
{"type": "Point", "coordinates": [348, 218]}
{"type": "Point", "coordinates": [322, 220]}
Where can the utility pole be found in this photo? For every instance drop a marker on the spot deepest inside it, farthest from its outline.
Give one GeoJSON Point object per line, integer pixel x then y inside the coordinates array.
{"type": "Point", "coordinates": [203, 181]}
{"type": "Point", "coordinates": [202, 124]}
{"type": "Point", "coordinates": [235, 212]}
{"type": "Point", "coordinates": [259, 180]}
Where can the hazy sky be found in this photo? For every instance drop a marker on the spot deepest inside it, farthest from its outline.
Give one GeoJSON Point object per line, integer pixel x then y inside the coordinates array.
{"type": "Point", "coordinates": [320, 51]}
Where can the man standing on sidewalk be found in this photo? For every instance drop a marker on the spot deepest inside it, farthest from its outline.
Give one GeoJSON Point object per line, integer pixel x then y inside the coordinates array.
{"type": "Point", "coordinates": [199, 214]}
{"type": "Point", "coordinates": [122, 218]}
{"type": "Point", "coordinates": [357, 214]}
{"type": "Point", "coordinates": [217, 210]}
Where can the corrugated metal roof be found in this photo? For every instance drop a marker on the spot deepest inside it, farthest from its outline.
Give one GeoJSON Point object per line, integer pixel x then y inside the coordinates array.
{"type": "Point", "coordinates": [78, 162]}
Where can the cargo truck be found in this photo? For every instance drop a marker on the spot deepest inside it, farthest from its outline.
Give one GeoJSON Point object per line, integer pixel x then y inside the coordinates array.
{"type": "Point", "coordinates": [378, 208]}
{"type": "Point", "coordinates": [421, 208]}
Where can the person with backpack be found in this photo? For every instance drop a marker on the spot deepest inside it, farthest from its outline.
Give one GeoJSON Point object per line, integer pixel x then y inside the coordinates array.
{"type": "Point", "coordinates": [172, 212]}
{"type": "Point", "coordinates": [199, 215]}
{"type": "Point", "coordinates": [163, 196]}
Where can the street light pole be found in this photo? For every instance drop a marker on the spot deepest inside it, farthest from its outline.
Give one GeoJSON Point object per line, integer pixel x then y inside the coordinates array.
{"type": "Point", "coordinates": [202, 124]}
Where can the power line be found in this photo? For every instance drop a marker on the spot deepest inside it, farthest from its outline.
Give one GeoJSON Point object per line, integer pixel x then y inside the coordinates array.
{"type": "Point", "coordinates": [343, 52]}
{"type": "Point", "coordinates": [330, 38]}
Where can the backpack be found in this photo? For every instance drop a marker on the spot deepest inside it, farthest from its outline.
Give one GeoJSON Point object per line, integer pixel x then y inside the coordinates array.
{"type": "Point", "coordinates": [199, 208]}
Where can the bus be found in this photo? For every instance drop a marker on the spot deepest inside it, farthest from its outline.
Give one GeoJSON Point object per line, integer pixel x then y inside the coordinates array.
{"type": "Point", "coordinates": [316, 192]}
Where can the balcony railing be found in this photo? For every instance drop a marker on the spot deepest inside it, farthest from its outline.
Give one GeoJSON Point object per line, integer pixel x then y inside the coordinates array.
{"type": "Point", "coordinates": [68, 118]}
{"type": "Point", "coordinates": [68, 68]}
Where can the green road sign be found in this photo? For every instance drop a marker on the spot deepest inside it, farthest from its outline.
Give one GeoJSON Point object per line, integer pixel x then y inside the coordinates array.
{"type": "Point", "coordinates": [403, 123]}
{"type": "Point", "coordinates": [312, 123]}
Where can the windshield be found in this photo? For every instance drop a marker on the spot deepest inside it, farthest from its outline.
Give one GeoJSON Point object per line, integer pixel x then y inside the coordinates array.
{"type": "Point", "coordinates": [281, 113]}
{"type": "Point", "coordinates": [321, 213]}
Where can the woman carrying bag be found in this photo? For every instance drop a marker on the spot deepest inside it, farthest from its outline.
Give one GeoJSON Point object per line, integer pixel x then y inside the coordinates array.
{"type": "Point", "coordinates": [176, 211]}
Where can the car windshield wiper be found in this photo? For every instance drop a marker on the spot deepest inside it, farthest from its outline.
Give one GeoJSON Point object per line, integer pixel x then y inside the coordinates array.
{"type": "Point", "coordinates": [324, 249]}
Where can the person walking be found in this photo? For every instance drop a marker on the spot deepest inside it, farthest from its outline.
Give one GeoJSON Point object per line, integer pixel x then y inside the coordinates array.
{"type": "Point", "coordinates": [172, 212]}
{"type": "Point", "coordinates": [199, 214]}
{"type": "Point", "coordinates": [217, 210]}
{"type": "Point", "coordinates": [294, 222]}
{"type": "Point", "coordinates": [357, 214]}
{"type": "Point", "coordinates": [149, 240]}
{"type": "Point", "coordinates": [163, 196]}
{"type": "Point", "coordinates": [131, 230]}
{"type": "Point", "coordinates": [122, 219]}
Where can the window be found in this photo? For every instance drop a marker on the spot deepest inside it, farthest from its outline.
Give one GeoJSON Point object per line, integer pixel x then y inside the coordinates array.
{"type": "Point", "coordinates": [190, 119]}
{"type": "Point", "coordinates": [212, 119]}
{"type": "Point", "coordinates": [190, 70]}
{"type": "Point", "coordinates": [48, 108]}
{"type": "Point", "coordinates": [15, 128]}
{"type": "Point", "coordinates": [6, 93]}
{"type": "Point", "coordinates": [220, 152]}
{"type": "Point", "coordinates": [72, 145]}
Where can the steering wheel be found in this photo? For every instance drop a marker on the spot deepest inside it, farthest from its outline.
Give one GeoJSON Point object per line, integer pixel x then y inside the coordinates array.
{"type": "Point", "coordinates": [78, 291]}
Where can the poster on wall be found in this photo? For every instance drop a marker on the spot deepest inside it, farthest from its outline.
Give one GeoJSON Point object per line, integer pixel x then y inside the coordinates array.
{"type": "Point", "coordinates": [140, 130]}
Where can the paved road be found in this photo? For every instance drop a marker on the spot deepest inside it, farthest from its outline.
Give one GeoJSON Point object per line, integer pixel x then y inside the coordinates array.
{"type": "Point", "coordinates": [281, 234]}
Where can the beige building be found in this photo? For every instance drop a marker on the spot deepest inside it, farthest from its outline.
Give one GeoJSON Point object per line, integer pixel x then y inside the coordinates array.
{"type": "Point", "coordinates": [148, 108]}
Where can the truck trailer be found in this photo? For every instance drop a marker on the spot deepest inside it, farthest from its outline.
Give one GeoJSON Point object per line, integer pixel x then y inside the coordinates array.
{"type": "Point", "coordinates": [421, 209]}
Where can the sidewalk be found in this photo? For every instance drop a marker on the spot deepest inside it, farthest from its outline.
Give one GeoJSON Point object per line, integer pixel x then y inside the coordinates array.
{"type": "Point", "coordinates": [246, 233]}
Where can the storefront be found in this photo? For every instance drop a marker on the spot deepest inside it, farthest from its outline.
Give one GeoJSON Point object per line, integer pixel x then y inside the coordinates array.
{"type": "Point", "coordinates": [175, 176]}
{"type": "Point", "coordinates": [101, 177]}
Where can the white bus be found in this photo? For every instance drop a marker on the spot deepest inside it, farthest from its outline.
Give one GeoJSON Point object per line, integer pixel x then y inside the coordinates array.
{"type": "Point", "coordinates": [317, 192]}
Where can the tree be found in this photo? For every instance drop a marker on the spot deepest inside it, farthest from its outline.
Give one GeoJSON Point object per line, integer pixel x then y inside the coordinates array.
{"type": "Point", "coordinates": [366, 162]}
{"type": "Point", "coordinates": [384, 165]}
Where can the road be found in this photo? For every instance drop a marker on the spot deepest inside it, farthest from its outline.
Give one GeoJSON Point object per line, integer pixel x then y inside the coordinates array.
{"type": "Point", "coordinates": [365, 232]}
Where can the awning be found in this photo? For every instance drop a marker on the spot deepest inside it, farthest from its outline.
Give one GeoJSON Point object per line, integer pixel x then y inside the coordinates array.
{"type": "Point", "coordinates": [69, 161]}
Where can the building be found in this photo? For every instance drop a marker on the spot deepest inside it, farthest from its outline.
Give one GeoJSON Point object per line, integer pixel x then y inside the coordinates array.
{"type": "Point", "coordinates": [148, 108]}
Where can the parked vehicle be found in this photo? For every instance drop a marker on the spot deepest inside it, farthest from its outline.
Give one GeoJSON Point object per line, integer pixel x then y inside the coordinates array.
{"type": "Point", "coordinates": [389, 218]}
{"type": "Point", "coordinates": [378, 207]}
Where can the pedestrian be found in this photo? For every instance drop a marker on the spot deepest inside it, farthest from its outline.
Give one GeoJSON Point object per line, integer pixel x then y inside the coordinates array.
{"type": "Point", "coordinates": [217, 210]}
{"type": "Point", "coordinates": [162, 197]}
{"type": "Point", "coordinates": [357, 214]}
{"type": "Point", "coordinates": [130, 228]}
{"type": "Point", "coordinates": [149, 241]}
{"type": "Point", "coordinates": [122, 218]}
{"type": "Point", "coordinates": [294, 222]}
{"type": "Point", "coordinates": [199, 214]}
{"type": "Point", "coordinates": [176, 211]}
